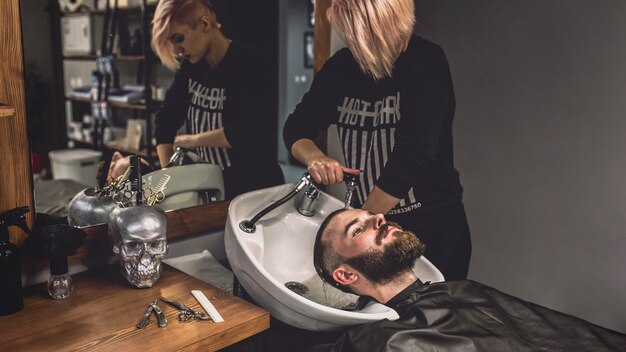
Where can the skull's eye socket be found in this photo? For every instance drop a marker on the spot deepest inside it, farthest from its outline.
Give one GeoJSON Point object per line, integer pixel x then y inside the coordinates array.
{"type": "Point", "coordinates": [132, 248]}
{"type": "Point", "coordinates": [157, 247]}
{"type": "Point", "coordinates": [138, 248]}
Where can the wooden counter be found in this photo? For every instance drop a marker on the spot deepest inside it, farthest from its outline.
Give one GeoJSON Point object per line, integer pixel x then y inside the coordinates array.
{"type": "Point", "coordinates": [101, 314]}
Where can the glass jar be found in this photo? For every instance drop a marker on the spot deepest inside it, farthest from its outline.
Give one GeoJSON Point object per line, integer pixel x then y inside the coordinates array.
{"type": "Point", "coordinates": [60, 283]}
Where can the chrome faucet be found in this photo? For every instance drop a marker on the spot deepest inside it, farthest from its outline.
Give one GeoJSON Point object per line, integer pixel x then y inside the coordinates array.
{"type": "Point", "coordinates": [308, 203]}
{"type": "Point", "coordinates": [249, 226]}
{"type": "Point", "coordinates": [350, 187]}
{"type": "Point", "coordinates": [184, 156]}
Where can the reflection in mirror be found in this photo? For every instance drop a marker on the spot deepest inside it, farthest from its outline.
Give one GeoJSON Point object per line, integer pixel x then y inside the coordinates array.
{"type": "Point", "coordinates": [62, 80]}
{"type": "Point", "coordinates": [218, 94]}
{"type": "Point", "coordinates": [59, 89]}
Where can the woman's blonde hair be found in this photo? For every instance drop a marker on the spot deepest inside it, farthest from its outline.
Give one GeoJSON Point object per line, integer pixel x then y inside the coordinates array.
{"type": "Point", "coordinates": [375, 31]}
{"type": "Point", "coordinates": [168, 11]}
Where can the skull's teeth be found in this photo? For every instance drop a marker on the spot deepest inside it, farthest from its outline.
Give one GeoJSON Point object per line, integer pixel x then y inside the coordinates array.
{"type": "Point", "coordinates": [141, 273]}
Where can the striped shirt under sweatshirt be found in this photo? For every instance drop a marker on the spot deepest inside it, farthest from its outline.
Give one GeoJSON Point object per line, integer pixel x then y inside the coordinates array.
{"type": "Point", "coordinates": [398, 131]}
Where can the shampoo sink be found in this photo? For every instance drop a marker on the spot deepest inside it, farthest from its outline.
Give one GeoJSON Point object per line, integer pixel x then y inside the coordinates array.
{"type": "Point", "coordinates": [274, 264]}
{"type": "Point", "coordinates": [187, 185]}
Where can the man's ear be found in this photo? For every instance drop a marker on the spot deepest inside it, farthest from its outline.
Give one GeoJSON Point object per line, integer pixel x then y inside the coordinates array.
{"type": "Point", "coordinates": [345, 275]}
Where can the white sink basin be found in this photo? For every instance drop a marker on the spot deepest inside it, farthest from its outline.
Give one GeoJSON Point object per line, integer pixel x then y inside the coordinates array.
{"type": "Point", "coordinates": [280, 251]}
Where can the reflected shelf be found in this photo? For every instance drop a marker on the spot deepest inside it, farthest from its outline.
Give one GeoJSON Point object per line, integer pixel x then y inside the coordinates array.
{"type": "Point", "coordinates": [87, 10]}
{"type": "Point", "coordinates": [134, 106]}
{"type": "Point", "coordinates": [115, 145]}
{"type": "Point", "coordinates": [91, 57]}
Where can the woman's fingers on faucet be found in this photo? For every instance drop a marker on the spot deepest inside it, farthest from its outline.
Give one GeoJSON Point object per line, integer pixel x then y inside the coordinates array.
{"type": "Point", "coordinates": [313, 170]}
{"type": "Point", "coordinates": [351, 171]}
{"type": "Point", "coordinates": [316, 176]}
{"type": "Point", "coordinates": [326, 171]}
{"type": "Point", "coordinates": [330, 171]}
{"type": "Point", "coordinates": [338, 174]}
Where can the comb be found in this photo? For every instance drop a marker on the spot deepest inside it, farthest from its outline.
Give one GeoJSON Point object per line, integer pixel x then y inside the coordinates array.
{"type": "Point", "coordinates": [133, 177]}
{"type": "Point", "coordinates": [103, 171]}
{"type": "Point", "coordinates": [136, 181]}
{"type": "Point", "coordinates": [139, 181]}
{"type": "Point", "coordinates": [161, 185]}
{"type": "Point", "coordinates": [99, 177]}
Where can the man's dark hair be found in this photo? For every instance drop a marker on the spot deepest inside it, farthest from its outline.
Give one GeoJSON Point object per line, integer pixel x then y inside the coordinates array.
{"type": "Point", "coordinates": [325, 259]}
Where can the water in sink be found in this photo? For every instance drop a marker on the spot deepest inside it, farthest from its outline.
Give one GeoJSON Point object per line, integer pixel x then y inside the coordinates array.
{"type": "Point", "coordinates": [318, 291]}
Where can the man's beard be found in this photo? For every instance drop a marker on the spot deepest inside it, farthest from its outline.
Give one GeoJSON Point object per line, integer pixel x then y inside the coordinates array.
{"type": "Point", "coordinates": [396, 258]}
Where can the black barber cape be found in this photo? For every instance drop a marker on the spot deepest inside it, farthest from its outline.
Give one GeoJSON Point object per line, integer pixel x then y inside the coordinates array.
{"type": "Point", "coordinates": [468, 316]}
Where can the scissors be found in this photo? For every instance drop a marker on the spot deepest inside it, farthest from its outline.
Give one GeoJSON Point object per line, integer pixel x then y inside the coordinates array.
{"type": "Point", "coordinates": [186, 313]}
{"type": "Point", "coordinates": [122, 198]}
{"type": "Point", "coordinates": [154, 197]}
{"type": "Point", "coordinates": [119, 182]}
{"type": "Point", "coordinates": [157, 193]}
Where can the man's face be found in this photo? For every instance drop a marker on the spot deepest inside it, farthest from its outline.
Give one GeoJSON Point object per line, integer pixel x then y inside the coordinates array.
{"type": "Point", "coordinates": [118, 166]}
{"type": "Point", "coordinates": [378, 249]}
{"type": "Point", "coordinates": [355, 231]}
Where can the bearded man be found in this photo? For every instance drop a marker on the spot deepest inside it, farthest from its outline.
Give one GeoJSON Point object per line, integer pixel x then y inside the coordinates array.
{"type": "Point", "coordinates": [362, 253]}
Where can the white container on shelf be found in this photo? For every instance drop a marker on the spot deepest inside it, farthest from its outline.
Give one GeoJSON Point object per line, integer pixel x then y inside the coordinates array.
{"type": "Point", "coordinates": [80, 165]}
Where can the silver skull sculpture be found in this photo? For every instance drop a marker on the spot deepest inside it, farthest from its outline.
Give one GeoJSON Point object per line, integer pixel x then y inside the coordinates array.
{"type": "Point", "coordinates": [139, 242]}
{"type": "Point", "coordinates": [87, 208]}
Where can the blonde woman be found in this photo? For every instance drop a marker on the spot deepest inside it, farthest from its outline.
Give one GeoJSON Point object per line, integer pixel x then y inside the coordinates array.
{"type": "Point", "coordinates": [390, 93]}
{"type": "Point", "coordinates": [219, 92]}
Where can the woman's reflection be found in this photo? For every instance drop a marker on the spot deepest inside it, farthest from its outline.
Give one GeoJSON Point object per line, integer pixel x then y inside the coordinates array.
{"type": "Point", "coordinates": [219, 92]}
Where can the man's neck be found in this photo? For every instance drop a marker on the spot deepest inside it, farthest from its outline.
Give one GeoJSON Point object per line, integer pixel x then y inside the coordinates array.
{"type": "Point", "coordinates": [218, 50]}
{"type": "Point", "coordinates": [384, 293]}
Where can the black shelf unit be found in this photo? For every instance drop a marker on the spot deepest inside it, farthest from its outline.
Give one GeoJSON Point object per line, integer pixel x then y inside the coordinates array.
{"type": "Point", "coordinates": [133, 106]}
{"type": "Point", "coordinates": [145, 62]}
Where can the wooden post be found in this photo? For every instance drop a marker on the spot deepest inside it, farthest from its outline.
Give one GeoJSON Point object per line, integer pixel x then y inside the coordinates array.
{"type": "Point", "coordinates": [16, 180]}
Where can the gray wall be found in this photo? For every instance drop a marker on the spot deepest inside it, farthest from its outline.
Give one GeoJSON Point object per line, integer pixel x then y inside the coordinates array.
{"type": "Point", "coordinates": [540, 143]}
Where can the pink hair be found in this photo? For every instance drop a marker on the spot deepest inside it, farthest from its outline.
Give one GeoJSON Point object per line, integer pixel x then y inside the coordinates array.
{"type": "Point", "coordinates": [168, 11]}
{"type": "Point", "coordinates": [375, 31]}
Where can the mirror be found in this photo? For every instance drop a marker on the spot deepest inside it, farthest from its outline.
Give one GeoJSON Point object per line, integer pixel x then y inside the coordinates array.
{"type": "Point", "coordinates": [57, 68]}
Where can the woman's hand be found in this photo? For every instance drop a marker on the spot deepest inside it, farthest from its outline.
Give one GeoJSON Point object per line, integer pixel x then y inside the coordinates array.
{"type": "Point", "coordinates": [323, 169]}
{"type": "Point", "coordinates": [187, 141]}
{"type": "Point", "coordinates": [213, 138]}
{"type": "Point", "coordinates": [328, 171]}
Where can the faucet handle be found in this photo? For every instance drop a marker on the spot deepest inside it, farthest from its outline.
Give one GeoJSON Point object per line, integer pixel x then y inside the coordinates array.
{"type": "Point", "coordinates": [305, 181]}
{"type": "Point", "coordinates": [351, 183]}
{"type": "Point", "coordinates": [350, 179]}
